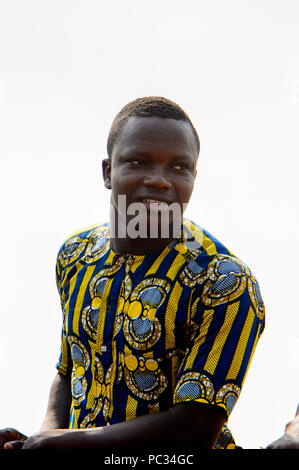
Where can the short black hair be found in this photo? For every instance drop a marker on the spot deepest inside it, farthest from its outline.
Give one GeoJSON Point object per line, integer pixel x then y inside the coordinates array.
{"type": "Point", "coordinates": [149, 106]}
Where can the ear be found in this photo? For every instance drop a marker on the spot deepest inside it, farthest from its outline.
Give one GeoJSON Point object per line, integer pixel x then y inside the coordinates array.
{"type": "Point", "coordinates": [106, 169]}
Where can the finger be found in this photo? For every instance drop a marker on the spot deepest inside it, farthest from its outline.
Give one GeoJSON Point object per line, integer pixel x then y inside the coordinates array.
{"type": "Point", "coordinates": [13, 445]}
{"type": "Point", "coordinates": [10, 434]}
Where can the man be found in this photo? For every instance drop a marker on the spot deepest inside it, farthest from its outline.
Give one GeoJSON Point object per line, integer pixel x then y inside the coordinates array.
{"type": "Point", "coordinates": [159, 324]}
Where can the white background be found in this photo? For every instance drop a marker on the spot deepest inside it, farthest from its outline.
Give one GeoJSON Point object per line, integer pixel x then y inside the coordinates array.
{"type": "Point", "coordinates": [66, 69]}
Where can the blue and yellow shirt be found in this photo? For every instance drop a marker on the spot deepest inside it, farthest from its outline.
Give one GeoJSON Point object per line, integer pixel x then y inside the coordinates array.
{"type": "Point", "coordinates": [143, 333]}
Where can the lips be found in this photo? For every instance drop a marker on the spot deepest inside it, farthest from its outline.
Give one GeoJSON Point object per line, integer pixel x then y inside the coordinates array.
{"type": "Point", "coordinates": [155, 200]}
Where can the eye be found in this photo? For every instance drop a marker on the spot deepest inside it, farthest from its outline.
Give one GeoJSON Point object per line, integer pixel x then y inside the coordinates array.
{"type": "Point", "coordinates": [135, 162]}
{"type": "Point", "coordinates": [180, 167]}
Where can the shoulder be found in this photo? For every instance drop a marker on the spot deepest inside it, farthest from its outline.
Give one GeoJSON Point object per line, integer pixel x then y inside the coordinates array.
{"type": "Point", "coordinates": [199, 240]}
{"type": "Point", "coordinates": [222, 276]}
{"type": "Point", "coordinates": [87, 232]}
{"type": "Point", "coordinates": [88, 239]}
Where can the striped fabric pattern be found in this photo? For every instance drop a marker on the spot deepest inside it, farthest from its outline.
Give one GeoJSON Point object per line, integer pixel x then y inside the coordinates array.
{"type": "Point", "coordinates": [143, 333]}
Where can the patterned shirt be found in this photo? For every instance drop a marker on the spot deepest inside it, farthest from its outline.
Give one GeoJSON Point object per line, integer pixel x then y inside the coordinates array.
{"type": "Point", "coordinates": [143, 333]}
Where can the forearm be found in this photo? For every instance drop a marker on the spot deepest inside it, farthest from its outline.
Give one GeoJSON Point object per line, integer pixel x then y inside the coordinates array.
{"type": "Point", "coordinates": [184, 425]}
{"type": "Point", "coordinates": [181, 426]}
{"type": "Point", "coordinates": [152, 430]}
{"type": "Point", "coordinates": [57, 414]}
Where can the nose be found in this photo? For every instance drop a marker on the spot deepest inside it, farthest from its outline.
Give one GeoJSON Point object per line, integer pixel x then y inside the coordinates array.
{"type": "Point", "coordinates": [157, 179]}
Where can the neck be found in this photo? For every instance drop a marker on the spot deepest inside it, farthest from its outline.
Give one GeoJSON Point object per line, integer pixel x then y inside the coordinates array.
{"type": "Point", "coordinates": [142, 243]}
{"type": "Point", "coordinates": [141, 246]}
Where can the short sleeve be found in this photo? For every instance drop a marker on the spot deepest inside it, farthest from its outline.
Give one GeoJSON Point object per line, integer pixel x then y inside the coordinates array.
{"type": "Point", "coordinates": [63, 363]}
{"type": "Point", "coordinates": [75, 250]}
{"type": "Point", "coordinates": [226, 321]}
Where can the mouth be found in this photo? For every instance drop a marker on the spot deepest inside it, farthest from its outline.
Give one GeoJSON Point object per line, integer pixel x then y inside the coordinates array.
{"type": "Point", "coordinates": [165, 208]}
{"type": "Point", "coordinates": [154, 202]}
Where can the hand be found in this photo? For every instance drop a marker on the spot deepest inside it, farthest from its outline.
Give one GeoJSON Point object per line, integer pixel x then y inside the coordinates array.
{"type": "Point", "coordinates": [53, 439]}
{"type": "Point", "coordinates": [11, 439]}
{"type": "Point", "coordinates": [290, 439]}
{"type": "Point", "coordinates": [284, 442]}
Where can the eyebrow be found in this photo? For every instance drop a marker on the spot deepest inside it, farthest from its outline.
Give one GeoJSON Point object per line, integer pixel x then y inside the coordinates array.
{"type": "Point", "coordinates": [133, 153]}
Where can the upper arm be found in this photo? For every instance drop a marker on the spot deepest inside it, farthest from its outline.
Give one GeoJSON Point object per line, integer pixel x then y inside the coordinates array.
{"type": "Point", "coordinates": [198, 425]}
{"type": "Point", "coordinates": [59, 403]}
{"type": "Point", "coordinates": [226, 320]}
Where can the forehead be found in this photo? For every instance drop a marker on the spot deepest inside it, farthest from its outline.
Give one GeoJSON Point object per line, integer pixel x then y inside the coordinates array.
{"type": "Point", "coordinates": [156, 134]}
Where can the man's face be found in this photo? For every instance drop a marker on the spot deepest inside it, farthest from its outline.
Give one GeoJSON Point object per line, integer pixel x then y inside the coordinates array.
{"type": "Point", "coordinates": [153, 161]}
